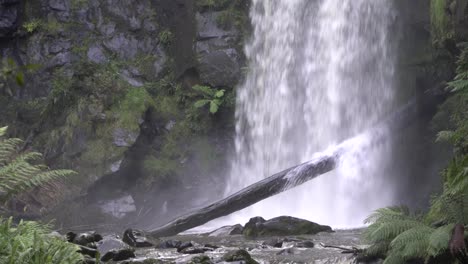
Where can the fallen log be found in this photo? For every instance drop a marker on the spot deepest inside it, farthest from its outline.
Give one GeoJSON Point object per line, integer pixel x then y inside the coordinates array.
{"type": "Point", "coordinates": [322, 163]}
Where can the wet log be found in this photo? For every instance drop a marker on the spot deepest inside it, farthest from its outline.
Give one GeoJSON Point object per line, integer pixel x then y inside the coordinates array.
{"type": "Point", "coordinates": [292, 177]}
{"type": "Point", "coordinates": [252, 194]}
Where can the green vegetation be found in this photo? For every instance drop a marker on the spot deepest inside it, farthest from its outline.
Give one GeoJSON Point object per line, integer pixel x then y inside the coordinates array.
{"type": "Point", "coordinates": [28, 242]}
{"type": "Point", "coordinates": [440, 22]}
{"type": "Point", "coordinates": [437, 236]}
{"type": "Point", "coordinates": [31, 243]}
{"type": "Point", "coordinates": [212, 4]}
{"type": "Point", "coordinates": [213, 97]}
{"type": "Point", "coordinates": [166, 37]}
{"type": "Point", "coordinates": [21, 171]}
{"type": "Point", "coordinates": [31, 26]}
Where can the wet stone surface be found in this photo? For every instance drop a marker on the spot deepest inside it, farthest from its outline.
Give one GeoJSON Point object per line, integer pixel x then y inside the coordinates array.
{"type": "Point", "coordinates": [291, 249]}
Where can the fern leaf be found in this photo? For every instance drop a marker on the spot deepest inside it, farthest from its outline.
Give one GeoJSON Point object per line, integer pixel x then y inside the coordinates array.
{"type": "Point", "coordinates": [3, 131]}
{"type": "Point", "coordinates": [413, 242]}
{"type": "Point", "coordinates": [439, 240]}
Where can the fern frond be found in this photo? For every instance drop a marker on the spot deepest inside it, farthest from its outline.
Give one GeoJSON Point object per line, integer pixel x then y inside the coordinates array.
{"type": "Point", "coordinates": [394, 258]}
{"type": "Point", "coordinates": [29, 243]}
{"type": "Point", "coordinates": [388, 214]}
{"type": "Point", "coordinates": [439, 240]}
{"type": "Point", "coordinates": [378, 249]}
{"type": "Point", "coordinates": [413, 242]}
{"type": "Point", "coordinates": [21, 171]}
{"type": "Point", "coordinates": [389, 230]}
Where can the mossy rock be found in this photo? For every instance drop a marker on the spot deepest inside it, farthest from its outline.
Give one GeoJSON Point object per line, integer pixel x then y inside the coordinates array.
{"type": "Point", "coordinates": [239, 255]}
{"type": "Point", "coordinates": [201, 260]}
{"type": "Point", "coordinates": [282, 226]}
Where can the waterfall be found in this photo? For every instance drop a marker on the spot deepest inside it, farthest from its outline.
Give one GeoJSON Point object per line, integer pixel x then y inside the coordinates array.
{"type": "Point", "coordinates": [320, 72]}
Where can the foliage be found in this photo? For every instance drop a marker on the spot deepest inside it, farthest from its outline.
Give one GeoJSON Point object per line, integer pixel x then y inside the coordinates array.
{"type": "Point", "coordinates": [30, 243]}
{"type": "Point", "coordinates": [20, 170]}
{"type": "Point", "coordinates": [166, 37]}
{"type": "Point", "coordinates": [439, 20]}
{"type": "Point", "coordinates": [400, 236]}
{"type": "Point", "coordinates": [10, 72]}
{"type": "Point", "coordinates": [212, 97]}
{"type": "Point", "coordinates": [31, 26]}
{"type": "Point", "coordinates": [212, 4]}
{"type": "Point", "coordinates": [455, 109]}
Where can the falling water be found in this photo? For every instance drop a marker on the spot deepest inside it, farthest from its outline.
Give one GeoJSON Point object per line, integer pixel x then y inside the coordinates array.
{"type": "Point", "coordinates": [320, 72]}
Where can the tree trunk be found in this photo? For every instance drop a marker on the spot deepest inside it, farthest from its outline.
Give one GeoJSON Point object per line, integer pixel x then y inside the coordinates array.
{"type": "Point", "coordinates": [292, 177]}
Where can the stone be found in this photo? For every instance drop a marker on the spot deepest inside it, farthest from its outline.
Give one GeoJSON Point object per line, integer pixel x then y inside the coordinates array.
{"type": "Point", "coordinates": [129, 77]}
{"type": "Point", "coordinates": [135, 23]}
{"type": "Point", "coordinates": [282, 226]}
{"type": "Point", "coordinates": [184, 245]}
{"type": "Point", "coordinates": [135, 238]}
{"type": "Point", "coordinates": [58, 5]}
{"type": "Point", "coordinates": [92, 252]}
{"type": "Point", "coordinates": [8, 18]}
{"type": "Point", "coordinates": [119, 207]}
{"type": "Point", "coordinates": [195, 250]}
{"type": "Point", "coordinates": [239, 255]}
{"type": "Point", "coordinates": [83, 239]}
{"type": "Point", "coordinates": [124, 138]}
{"type": "Point", "coordinates": [110, 243]}
{"type": "Point", "coordinates": [96, 54]}
{"type": "Point", "coordinates": [219, 69]}
{"type": "Point", "coordinates": [305, 244]}
{"type": "Point", "coordinates": [60, 59]}
{"type": "Point", "coordinates": [58, 46]}
{"type": "Point", "coordinates": [107, 29]}
{"type": "Point", "coordinates": [118, 255]}
{"type": "Point", "coordinates": [144, 261]}
{"type": "Point", "coordinates": [124, 45]}
{"type": "Point", "coordinates": [170, 244]}
{"type": "Point", "coordinates": [227, 231]}
{"type": "Point", "coordinates": [276, 242]}
{"type": "Point", "coordinates": [201, 260]}
{"type": "Point", "coordinates": [115, 166]}
{"type": "Point", "coordinates": [208, 27]}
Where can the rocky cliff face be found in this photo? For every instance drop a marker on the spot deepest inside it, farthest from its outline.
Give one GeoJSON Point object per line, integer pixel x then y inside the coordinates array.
{"type": "Point", "coordinates": [112, 97]}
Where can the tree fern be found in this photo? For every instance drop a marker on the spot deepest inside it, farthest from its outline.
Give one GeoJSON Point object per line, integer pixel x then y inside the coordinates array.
{"type": "Point", "coordinates": [30, 243]}
{"type": "Point", "coordinates": [439, 240]}
{"type": "Point", "coordinates": [20, 171]}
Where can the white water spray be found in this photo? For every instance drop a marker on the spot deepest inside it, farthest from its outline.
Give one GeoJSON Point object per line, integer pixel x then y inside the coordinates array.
{"type": "Point", "coordinates": [320, 72]}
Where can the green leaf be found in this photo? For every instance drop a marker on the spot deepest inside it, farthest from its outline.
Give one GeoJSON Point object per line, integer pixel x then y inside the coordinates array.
{"type": "Point", "coordinates": [214, 107]}
{"type": "Point", "coordinates": [205, 90]}
{"type": "Point", "coordinates": [3, 131]}
{"type": "Point", "coordinates": [219, 94]}
{"type": "Point", "coordinates": [20, 78]}
{"type": "Point", "coordinates": [201, 103]}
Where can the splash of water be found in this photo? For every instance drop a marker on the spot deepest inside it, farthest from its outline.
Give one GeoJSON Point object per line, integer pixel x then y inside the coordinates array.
{"type": "Point", "coordinates": [320, 72]}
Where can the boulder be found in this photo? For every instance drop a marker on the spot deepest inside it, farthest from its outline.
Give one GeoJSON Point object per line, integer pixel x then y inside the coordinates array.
{"type": "Point", "coordinates": [135, 238]}
{"type": "Point", "coordinates": [170, 244]}
{"type": "Point", "coordinates": [195, 250]}
{"type": "Point", "coordinates": [8, 17]}
{"type": "Point", "coordinates": [227, 231]}
{"type": "Point", "coordinates": [84, 239]}
{"type": "Point", "coordinates": [110, 243]}
{"type": "Point", "coordinates": [119, 207]}
{"type": "Point", "coordinates": [118, 255]}
{"type": "Point", "coordinates": [219, 69]}
{"type": "Point", "coordinates": [184, 245]}
{"type": "Point", "coordinates": [239, 255]}
{"type": "Point", "coordinates": [282, 226]}
{"type": "Point", "coordinates": [201, 260]}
